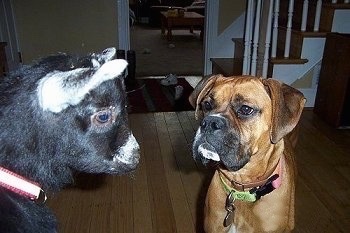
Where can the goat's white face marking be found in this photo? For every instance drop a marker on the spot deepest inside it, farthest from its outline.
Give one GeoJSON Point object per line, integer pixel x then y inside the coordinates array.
{"type": "Point", "coordinates": [55, 96]}
{"type": "Point", "coordinates": [126, 153]}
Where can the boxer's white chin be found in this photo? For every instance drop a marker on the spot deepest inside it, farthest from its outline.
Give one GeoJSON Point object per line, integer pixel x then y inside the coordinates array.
{"type": "Point", "coordinates": [208, 154]}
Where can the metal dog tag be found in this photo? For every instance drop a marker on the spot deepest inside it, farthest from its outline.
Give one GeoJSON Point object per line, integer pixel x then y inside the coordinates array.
{"type": "Point", "coordinates": [229, 218]}
{"type": "Point", "coordinates": [229, 200]}
{"type": "Point", "coordinates": [230, 208]}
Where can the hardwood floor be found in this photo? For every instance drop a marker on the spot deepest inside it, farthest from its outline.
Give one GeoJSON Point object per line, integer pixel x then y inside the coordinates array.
{"type": "Point", "coordinates": [166, 193]}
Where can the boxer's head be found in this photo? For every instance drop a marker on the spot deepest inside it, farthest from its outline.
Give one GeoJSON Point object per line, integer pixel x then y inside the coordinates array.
{"type": "Point", "coordinates": [241, 116]}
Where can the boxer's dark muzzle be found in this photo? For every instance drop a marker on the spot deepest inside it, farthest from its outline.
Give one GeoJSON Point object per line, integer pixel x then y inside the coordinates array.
{"type": "Point", "coordinates": [210, 124]}
{"type": "Point", "coordinates": [217, 141]}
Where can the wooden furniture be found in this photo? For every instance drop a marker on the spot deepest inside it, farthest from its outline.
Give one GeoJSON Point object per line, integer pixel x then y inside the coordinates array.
{"type": "Point", "coordinates": [155, 16]}
{"type": "Point", "coordinates": [332, 102]}
{"type": "Point", "coordinates": [189, 19]}
{"type": "Point", "coordinates": [3, 60]}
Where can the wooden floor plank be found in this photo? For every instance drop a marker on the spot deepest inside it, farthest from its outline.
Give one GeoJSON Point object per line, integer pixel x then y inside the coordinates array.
{"type": "Point", "coordinates": [194, 122]}
{"type": "Point", "coordinates": [191, 177]}
{"type": "Point", "coordinates": [317, 157]}
{"type": "Point", "coordinates": [141, 204]}
{"type": "Point", "coordinates": [162, 212]}
{"type": "Point", "coordinates": [178, 196]}
{"type": "Point", "coordinates": [311, 212]}
{"type": "Point", "coordinates": [186, 127]}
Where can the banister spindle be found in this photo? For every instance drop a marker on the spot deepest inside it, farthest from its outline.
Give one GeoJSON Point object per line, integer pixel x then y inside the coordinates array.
{"type": "Point", "coordinates": [256, 37]}
{"type": "Point", "coordinates": [289, 29]}
{"type": "Point", "coordinates": [318, 15]}
{"type": "Point", "coordinates": [267, 40]}
{"type": "Point", "coordinates": [247, 38]}
{"type": "Point", "coordinates": [275, 29]}
{"type": "Point", "coordinates": [304, 16]}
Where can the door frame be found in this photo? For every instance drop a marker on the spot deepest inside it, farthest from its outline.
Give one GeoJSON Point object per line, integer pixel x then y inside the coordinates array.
{"type": "Point", "coordinates": [123, 25]}
{"type": "Point", "coordinates": [8, 34]}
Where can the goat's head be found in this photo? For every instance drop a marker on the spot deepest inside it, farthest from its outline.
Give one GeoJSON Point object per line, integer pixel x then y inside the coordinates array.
{"type": "Point", "coordinates": [72, 116]}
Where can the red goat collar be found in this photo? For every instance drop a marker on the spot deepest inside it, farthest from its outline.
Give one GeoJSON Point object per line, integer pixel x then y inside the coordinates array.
{"type": "Point", "coordinates": [21, 186]}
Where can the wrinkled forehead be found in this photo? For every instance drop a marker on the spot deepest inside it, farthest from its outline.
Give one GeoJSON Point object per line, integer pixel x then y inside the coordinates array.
{"type": "Point", "coordinates": [241, 90]}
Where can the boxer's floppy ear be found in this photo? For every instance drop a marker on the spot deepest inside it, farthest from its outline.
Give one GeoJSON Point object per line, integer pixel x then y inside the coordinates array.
{"type": "Point", "coordinates": [201, 90]}
{"type": "Point", "coordinates": [287, 105]}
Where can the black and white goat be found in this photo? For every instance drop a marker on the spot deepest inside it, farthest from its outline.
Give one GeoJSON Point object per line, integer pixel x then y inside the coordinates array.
{"type": "Point", "coordinates": [60, 115]}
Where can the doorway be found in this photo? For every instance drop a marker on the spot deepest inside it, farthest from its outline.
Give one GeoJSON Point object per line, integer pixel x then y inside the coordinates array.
{"type": "Point", "coordinates": [140, 93]}
{"type": "Point", "coordinates": [210, 30]}
{"type": "Point", "coordinates": [156, 54]}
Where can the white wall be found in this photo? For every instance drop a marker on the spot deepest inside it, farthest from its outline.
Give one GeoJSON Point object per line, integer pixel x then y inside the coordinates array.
{"type": "Point", "coordinates": [79, 26]}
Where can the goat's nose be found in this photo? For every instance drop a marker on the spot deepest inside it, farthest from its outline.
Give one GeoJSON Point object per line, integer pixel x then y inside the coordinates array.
{"type": "Point", "coordinates": [212, 123]}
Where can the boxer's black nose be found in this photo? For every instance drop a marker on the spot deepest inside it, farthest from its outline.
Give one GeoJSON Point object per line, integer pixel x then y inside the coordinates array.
{"type": "Point", "coordinates": [212, 123]}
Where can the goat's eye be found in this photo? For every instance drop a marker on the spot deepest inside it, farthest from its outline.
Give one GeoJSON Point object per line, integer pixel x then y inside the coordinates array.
{"type": "Point", "coordinates": [103, 119]}
{"type": "Point", "coordinates": [103, 116]}
{"type": "Point", "coordinates": [245, 110]}
{"type": "Point", "coordinates": [207, 106]}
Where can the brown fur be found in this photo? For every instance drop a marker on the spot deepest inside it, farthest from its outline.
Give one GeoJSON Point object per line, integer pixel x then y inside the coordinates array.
{"type": "Point", "coordinates": [266, 136]}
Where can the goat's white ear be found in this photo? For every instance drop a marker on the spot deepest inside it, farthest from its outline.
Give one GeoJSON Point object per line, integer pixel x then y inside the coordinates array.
{"type": "Point", "coordinates": [58, 90]}
{"type": "Point", "coordinates": [107, 54]}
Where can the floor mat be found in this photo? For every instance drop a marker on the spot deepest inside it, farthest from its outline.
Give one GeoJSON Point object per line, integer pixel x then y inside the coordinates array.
{"type": "Point", "coordinates": [150, 96]}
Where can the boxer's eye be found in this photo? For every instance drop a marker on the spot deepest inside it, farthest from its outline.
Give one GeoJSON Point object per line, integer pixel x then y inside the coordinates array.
{"type": "Point", "coordinates": [245, 110]}
{"type": "Point", "coordinates": [207, 106]}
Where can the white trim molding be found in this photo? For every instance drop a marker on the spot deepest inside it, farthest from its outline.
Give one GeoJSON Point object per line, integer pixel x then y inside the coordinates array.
{"type": "Point", "coordinates": [210, 32]}
{"type": "Point", "coordinates": [123, 25]}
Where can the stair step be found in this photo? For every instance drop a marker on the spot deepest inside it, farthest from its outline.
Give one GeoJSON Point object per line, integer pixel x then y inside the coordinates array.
{"type": "Point", "coordinates": [304, 34]}
{"type": "Point", "coordinates": [297, 38]}
{"type": "Point", "coordinates": [288, 61]}
{"type": "Point", "coordinates": [238, 41]}
{"type": "Point", "coordinates": [337, 6]}
{"type": "Point", "coordinates": [227, 66]}
{"type": "Point", "coordinates": [239, 47]}
{"type": "Point", "coordinates": [310, 34]}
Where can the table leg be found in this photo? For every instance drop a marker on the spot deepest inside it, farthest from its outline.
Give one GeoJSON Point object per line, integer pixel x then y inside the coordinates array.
{"type": "Point", "coordinates": [162, 28]}
{"type": "Point", "coordinates": [169, 35]}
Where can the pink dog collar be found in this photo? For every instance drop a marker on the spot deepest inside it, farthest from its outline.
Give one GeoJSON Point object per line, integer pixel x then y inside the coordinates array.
{"type": "Point", "coordinates": [21, 186]}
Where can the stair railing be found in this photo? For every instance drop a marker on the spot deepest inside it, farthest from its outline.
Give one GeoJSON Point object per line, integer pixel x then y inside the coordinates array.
{"type": "Point", "coordinates": [254, 19]}
{"type": "Point", "coordinates": [252, 32]}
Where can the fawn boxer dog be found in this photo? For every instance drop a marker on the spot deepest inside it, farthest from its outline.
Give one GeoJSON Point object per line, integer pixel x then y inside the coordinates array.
{"type": "Point", "coordinates": [247, 130]}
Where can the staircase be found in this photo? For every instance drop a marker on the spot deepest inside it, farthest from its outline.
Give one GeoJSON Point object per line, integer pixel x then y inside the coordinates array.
{"type": "Point", "coordinates": [288, 44]}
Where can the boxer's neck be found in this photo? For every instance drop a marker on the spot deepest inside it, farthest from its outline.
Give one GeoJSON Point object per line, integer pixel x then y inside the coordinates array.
{"type": "Point", "coordinates": [243, 186]}
{"type": "Point", "coordinates": [260, 167]}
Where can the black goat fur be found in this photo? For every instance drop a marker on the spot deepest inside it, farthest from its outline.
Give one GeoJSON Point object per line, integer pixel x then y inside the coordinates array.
{"type": "Point", "coordinates": [48, 146]}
